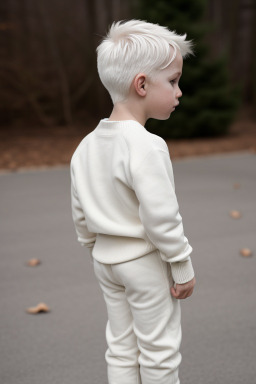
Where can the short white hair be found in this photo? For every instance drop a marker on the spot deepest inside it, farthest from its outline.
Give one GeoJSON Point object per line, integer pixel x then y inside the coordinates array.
{"type": "Point", "coordinates": [135, 46]}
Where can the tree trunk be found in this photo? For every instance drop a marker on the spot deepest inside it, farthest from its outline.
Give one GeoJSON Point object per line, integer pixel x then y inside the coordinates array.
{"type": "Point", "coordinates": [53, 47]}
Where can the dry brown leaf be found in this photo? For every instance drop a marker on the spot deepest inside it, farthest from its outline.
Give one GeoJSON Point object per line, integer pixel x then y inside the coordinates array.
{"type": "Point", "coordinates": [41, 307]}
{"type": "Point", "coordinates": [246, 252]}
{"type": "Point", "coordinates": [235, 214]}
{"type": "Point", "coordinates": [33, 262]}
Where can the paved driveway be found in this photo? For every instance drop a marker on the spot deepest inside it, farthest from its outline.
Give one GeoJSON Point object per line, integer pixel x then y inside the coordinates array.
{"type": "Point", "coordinates": [67, 345]}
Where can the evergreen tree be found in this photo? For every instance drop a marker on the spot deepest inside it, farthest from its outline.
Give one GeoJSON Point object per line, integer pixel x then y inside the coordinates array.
{"type": "Point", "coordinates": [209, 101]}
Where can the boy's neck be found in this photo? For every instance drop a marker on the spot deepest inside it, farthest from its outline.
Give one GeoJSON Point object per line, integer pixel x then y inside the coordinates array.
{"type": "Point", "coordinates": [124, 111]}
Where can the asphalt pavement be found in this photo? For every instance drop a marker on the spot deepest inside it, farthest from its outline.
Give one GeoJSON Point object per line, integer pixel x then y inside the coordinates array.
{"type": "Point", "coordinates": [67, 345]}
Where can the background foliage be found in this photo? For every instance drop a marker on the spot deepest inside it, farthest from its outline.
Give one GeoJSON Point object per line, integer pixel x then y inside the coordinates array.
{"type": "Point", "coordinates": [209, 100]}
{"type": "Point", "coordinates": [48, 69]}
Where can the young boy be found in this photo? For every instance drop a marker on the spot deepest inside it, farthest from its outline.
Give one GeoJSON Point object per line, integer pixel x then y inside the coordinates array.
{"type": "Point", "coordinates": [125, 209]}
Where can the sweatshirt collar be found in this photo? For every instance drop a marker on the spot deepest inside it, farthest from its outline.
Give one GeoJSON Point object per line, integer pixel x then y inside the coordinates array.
{"type": "Point", "coordinates": [108, 127]}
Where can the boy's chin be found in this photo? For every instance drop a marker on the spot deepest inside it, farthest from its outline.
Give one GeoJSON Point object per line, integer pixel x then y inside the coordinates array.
{"type": "Point", "coordinates": [166, 117]}
{"type": "Point", "coordinates": [162, 116]}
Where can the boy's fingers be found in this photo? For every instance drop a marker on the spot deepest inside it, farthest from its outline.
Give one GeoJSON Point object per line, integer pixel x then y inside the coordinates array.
{"type": "Point", "coordinates": [173, 292]}
{"type": "Point", "coordinates": [180, 293]}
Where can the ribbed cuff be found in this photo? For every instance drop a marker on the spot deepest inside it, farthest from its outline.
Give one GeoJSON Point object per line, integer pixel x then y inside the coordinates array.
{"type": "Point", "coordinates": [182, 272]}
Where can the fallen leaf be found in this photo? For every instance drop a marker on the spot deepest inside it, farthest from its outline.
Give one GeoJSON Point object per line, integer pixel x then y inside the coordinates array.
{"type": "Point", "coordinates": [246, 252]}
{"type": "Point", "coordinates": [41, 307]}
{"type": "Point", "coordinates": [33, 262]}
{"type": "Point", "coordinates": [235, 214]}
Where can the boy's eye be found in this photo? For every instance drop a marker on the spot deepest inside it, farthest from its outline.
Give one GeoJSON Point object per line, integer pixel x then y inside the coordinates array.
{"type": "Point", "coordinates": [173, 81]}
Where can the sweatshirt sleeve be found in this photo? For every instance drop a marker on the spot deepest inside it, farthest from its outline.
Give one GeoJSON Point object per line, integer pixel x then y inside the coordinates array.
{"type": "Point", "coordinates": [153, 184]}
{"type": "Point", "coordinates": [84, 236]}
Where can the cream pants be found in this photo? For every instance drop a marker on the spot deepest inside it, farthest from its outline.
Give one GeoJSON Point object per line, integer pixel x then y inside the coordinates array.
{"type": "Point", "coordinates": [143, 330]}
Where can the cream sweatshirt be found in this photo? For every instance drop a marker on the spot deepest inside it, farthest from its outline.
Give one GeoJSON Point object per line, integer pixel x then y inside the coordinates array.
{"type": "Point", "coordinates": [123, 197]}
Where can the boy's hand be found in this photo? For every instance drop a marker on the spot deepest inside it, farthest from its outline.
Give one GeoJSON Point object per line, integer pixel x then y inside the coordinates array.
{"type": "Point", "coordinates": [182, 291]}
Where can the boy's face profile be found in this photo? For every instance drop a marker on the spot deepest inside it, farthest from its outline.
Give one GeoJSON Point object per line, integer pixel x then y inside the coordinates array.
{"type": "Point", "coordinates": [162, 92]}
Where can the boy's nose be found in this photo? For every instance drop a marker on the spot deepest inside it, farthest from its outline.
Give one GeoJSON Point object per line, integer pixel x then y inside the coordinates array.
{"type": "Point", "coordinates": [179, 93]}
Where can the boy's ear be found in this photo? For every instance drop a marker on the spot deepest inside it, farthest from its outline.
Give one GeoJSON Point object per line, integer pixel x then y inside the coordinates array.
{"type": "Point", "coordinates": [139, 84]}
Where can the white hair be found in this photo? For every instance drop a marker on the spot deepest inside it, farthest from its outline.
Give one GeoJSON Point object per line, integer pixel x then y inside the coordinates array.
{"type": "Point", "coordinates": [132, 47]}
